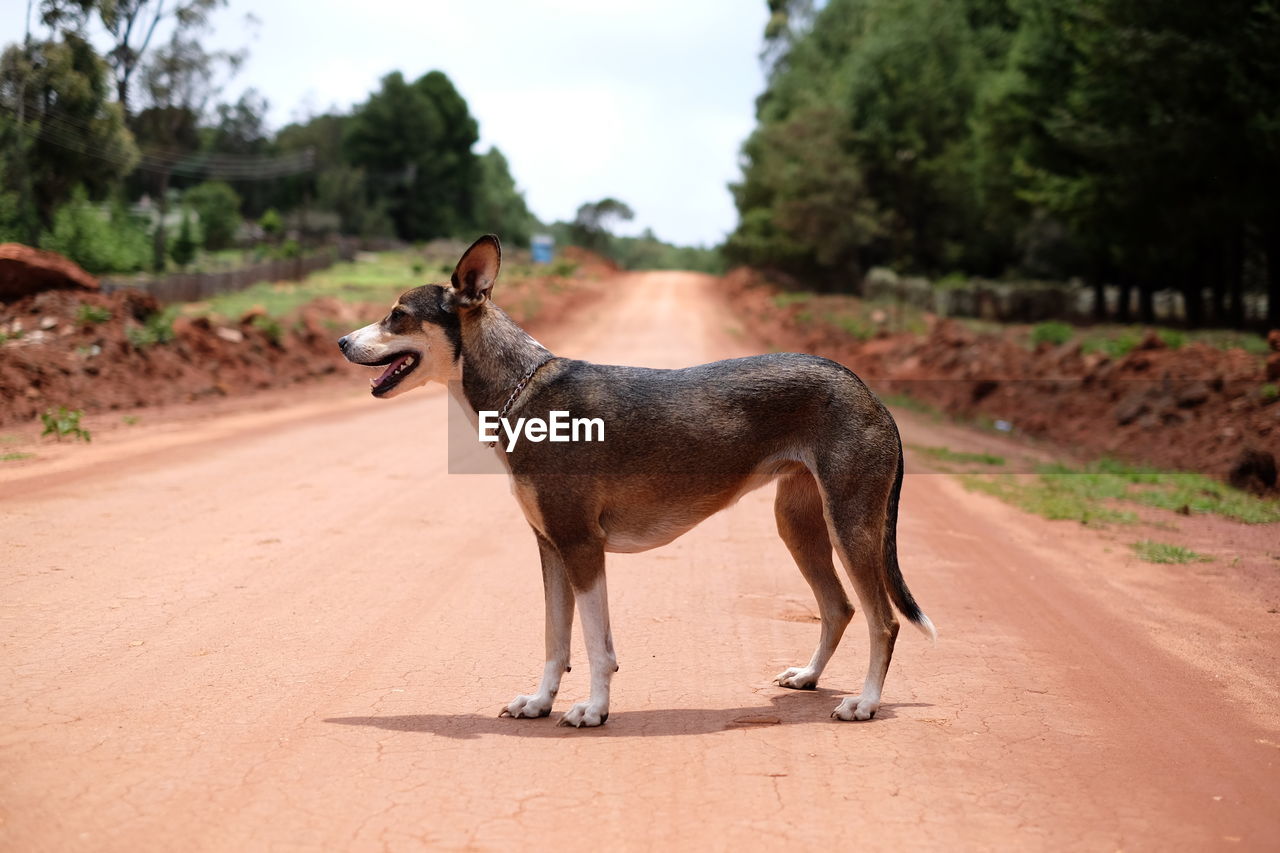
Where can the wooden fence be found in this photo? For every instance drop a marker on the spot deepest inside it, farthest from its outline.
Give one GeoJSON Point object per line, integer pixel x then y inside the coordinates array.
{"type": "Point", "coordinates": [195, 286]}
{"type": "Point", "coordinates": [1033, 302]}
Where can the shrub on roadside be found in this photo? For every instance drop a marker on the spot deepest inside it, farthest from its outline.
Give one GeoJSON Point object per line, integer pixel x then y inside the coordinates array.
{"type": "Point", "coordinates": [115, 243]}
{"type": "Point", "coordinates": [218, 207]}
{"type": "Point", "coordinates": [185, 245]}
{"type": "Point", "coordinates": [1051, 332]}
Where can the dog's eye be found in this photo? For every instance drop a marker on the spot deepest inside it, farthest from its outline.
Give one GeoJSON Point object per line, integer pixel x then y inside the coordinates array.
{"type": "Point", "coordinates": [396, 314]}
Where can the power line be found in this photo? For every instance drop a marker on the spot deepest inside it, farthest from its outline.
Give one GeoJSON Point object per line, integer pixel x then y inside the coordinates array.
{"type": "Point", "coordinates": [70, 133]}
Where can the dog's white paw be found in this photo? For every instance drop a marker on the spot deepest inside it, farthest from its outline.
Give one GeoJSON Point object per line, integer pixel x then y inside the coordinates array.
{"type": "Point", "coordinates": [856, 708]}
{"type": "Point", "coordinates": [527, 706]}
{"type": "Point", "coordinates": [797, 678]}
{"type": "Point", "coordinates": [583, 714]}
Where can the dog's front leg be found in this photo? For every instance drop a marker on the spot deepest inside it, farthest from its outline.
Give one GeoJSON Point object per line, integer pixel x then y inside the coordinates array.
{"type": "Point", "coordinates": [559, 599]}
{"type": "Point", "coordinates": [585, 567]}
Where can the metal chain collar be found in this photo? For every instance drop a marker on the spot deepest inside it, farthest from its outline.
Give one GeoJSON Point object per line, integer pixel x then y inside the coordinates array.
{"type": "Point", "coordinates": [515, 392]}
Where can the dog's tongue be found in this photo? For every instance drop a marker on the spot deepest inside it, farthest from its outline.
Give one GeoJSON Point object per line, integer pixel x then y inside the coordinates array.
{"type": "Point", "coordinates": [391, 368]}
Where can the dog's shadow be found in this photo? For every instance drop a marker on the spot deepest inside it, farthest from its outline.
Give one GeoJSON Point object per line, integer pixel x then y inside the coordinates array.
{"type": "Point", "coordinates": [790, 708]}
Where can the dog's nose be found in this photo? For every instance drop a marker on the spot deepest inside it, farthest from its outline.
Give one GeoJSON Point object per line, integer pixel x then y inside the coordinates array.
{"type": "Point", "coordinates": [342, 343]}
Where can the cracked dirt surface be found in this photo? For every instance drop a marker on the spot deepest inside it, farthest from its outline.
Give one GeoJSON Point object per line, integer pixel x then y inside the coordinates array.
{"type": "Point", "coordinates": [295, 632]}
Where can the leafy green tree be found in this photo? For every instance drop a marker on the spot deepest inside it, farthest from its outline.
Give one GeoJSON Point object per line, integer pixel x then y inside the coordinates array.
{"type": "Point", "coordinates": [218, 207]}
{"type": "Point", "coordinates": [70, 135]}
{"type": "Point", "coordinates": [185, 245]}
{"type": "Point", "coordinates": [500, 206]}
{"type": "Point", "coordinates": [591, 227]}
{"type": "Point", "coordinates": [130, 25]}
{"type": "Point", "coordinates": [114, 243]}
{"type": "Point", "coordinates": [414, 141]}
{"type": "Point", "coordinates": [272, 224]}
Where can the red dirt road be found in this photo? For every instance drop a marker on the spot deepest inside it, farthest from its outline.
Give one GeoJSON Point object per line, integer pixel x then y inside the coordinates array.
{"type": "Point", "coordinates": [294, 630]}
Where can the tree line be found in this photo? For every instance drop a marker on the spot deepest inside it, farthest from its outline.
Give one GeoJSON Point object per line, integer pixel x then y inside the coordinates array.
{"type": "Point", "coordinates": [1126, 142]}
{"type": "Point", "coordinates": [80, 128]}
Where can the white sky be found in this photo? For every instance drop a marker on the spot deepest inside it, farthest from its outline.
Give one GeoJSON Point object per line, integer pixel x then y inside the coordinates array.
{"type": "Point", "coordinates": [647, 101]}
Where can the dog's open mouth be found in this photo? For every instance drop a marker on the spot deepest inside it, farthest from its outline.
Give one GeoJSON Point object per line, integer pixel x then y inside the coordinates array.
{"type": "Point", "coordinates": [398, 366]}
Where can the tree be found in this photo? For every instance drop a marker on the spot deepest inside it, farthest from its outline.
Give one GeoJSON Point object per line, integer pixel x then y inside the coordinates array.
{"type": "Point", "coordinates": [70, 134]}
{"type": "Point", "coordinates": [185, 245]}
{"type": "Point", "coordinates": [500, 206]}
{"type": "Point", "coordinates": [218, 207]}
{"type": "Point", "coordinates": [131, 26]}
{"type": "Point", "coordinates": [414, 142]}
{"type": "Point", "coordinates": [591, 226]}
{"type": "Point", "coordinates": [821, 217]}
{"type": "Point", "coordinates": [179, 81]}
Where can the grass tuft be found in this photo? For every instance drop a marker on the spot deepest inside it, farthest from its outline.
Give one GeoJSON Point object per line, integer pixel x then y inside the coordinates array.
{"type": "Point", "coordinates": [1161, 552]}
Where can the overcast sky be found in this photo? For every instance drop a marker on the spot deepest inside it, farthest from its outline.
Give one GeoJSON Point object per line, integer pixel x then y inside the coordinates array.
{"type": "Point", "coordinates": [644, 100]}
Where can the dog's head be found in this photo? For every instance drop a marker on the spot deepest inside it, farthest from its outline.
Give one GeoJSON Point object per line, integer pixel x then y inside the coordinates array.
{"type": "Point", "coordinates": [421, 339]}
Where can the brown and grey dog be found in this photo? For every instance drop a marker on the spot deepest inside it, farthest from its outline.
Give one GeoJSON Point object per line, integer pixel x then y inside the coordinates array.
{"type": "Point", "coordinates": [679, 446]}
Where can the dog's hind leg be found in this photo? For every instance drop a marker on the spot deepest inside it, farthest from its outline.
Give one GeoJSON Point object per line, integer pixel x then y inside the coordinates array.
{"type": "Point", "coordinates": [559, 600]}
{"type": "Point", "coordinates": [585, 567]}
{"type": "Point", "coordinates": [798, 508]}
{"type": "Point", "coordinates": [856, 520]}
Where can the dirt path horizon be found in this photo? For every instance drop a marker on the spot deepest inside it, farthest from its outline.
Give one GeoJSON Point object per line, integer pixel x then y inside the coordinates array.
{"type": "Point", "coordinates": [294, 628]}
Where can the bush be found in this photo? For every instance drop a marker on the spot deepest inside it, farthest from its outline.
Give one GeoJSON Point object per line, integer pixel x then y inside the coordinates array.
{"type": "Point", "coordinates": [218, 207]}
{"type": "Point", "coordinates": [92, 315]}
{"type": "Point", "coordinates": [186, 244]}
{"type": "Point", "coordinates": [64, 422]}
{"type": "Point", "coordinates": [271, 223]}
{"type": "Point", "coordinates": [158, 329]}
{"type": "Point", "coordinates": [101, 244]}
{"type": "Point", "coordinates": [1051, 332]}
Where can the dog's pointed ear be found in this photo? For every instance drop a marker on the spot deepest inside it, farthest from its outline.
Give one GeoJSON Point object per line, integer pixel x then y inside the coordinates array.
{"type": "Point", "coordinates": [476, 272]}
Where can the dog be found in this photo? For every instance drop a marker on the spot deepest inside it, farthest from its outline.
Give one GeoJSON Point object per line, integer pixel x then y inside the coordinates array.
{"type": "Point", "coordinates": [679, 445]}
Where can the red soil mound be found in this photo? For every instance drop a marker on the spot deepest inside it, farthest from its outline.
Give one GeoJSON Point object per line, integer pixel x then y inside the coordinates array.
{"type": "Point", "coordinates": [1195, 408]}
{"type": "Point", "coordinates": [24, 270]}
{"type": "Point", "coordinates": [98, 352]}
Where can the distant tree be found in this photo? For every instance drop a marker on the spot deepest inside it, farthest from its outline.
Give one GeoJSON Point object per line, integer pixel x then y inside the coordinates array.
{"type": "Point", "coordinates": [591, 227]}
{"type": "Point", "coordinates": [272, 224]}
{"type": "Point", "coordinates": [185, 245]}
{"type": "Point", "coordinates": [131, 25]}
{"type": "Point", "coordinates": [500, 206]}
{"type": "Point", "coordinates": [414, 141]}
{"type": "Point", "coordinates": [218, 207]}
{"type": "Point", "coordinates": [820, 216]}
{"type": "Point", "coordinates": [70, 134]}
{"type": "Point", "coordinates": [179, 82]}
{"type": "Point", "coordinates": [100, 243]}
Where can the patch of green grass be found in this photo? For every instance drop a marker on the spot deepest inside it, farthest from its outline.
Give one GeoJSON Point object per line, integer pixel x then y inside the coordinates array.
{"type": "Point", "coordinates": [130, 420]}
{"type": "Point", "coordinates": [1269, 391]}
{"type": "Point", "coordinates": [1051, 333]}
{"type": "Point", "coordinates": [1112, 343]}
{"type": "Point", "coordinates": [380, 279]}
{"type": "Point", "coordinates": [854, 326]}
{"type": "Point", "coordinates": [910, 404]}
{"type": "Point", "coordinates": [64, 422]}
{"type": "Point", "coordinates": [562, 267]}
{"type": "Point", "coordinates": [1086, 494]}
{"type": "Point", "coordinates": [1053, 500]}
{"type": "Point", "coordinates": [92, 315]}
{"type": "Point", "coordinates": [1172, 338]}
{"type": "Point", "coordinates": [270, 327]}
{"type": "Point", "coordinates": [157, 329]}
{"type": "Point", "coordinates": [15, 456]}
{"type": "Point", "coordinates": [10, 439]}
{"type": "Point", "coordinates": [946, 454]}
{"type": "Point", "coordinates": [1161, 552]}
{"type": "Point", "coordinates": [785, 299]}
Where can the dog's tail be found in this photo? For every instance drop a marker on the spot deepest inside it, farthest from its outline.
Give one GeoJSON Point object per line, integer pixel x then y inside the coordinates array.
{"type": "Point", "coordinates": [898, 591]}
